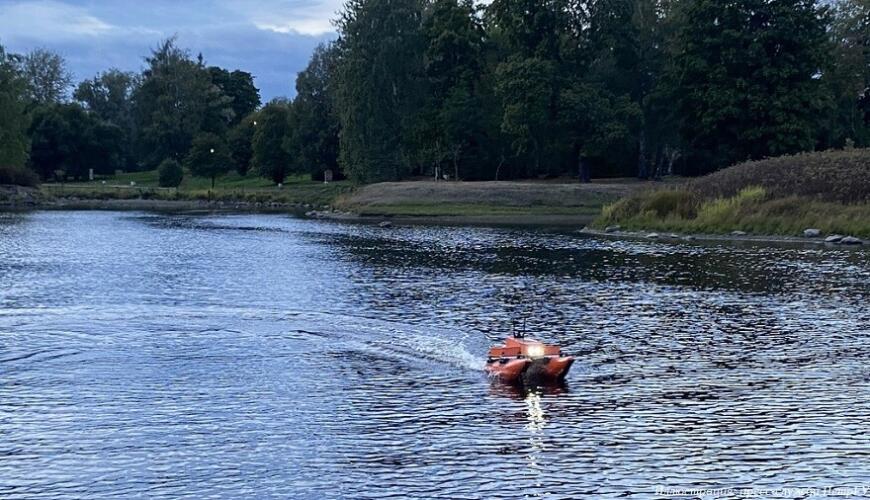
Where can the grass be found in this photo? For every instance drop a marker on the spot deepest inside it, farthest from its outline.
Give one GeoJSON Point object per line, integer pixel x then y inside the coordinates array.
{"type": "Point", "coordinates": [829, 191]}
{"type": "Point", "coordinates": [231, 188]}
{"type": "Point", "coordinates": [752, 210]}
{"type": "Point", "coordinates": [465, 209]}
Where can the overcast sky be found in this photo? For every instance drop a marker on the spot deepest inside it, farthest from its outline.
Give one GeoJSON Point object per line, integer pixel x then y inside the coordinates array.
{"type": "Point", "coordinates": [272, 39]}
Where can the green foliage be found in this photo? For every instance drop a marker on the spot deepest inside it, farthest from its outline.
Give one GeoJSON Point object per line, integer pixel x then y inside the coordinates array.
{"type": "Point", "coordinates": [239, 87]}
{"type": "Point", "coordinates": [176, 101]}
{"type": "Point", "coordinates": [170, 173]}
{"type": "Point", "coordinates": [14, 143]}
{"type": "Point", "coordinates": [269, 156]}
{"type": "Point", "coordinates": [378, 87]}
{"type": "Point", "coordinates": [47, 75]}
{"type": "Point", "coordinates": [109, 96]}
{"type": "Point", "coordinates": [240, 141]}
{"type": "Point", "coordinates": [745, 78]}
{"type": "Point", "coordinates": [208, 157]}
{"type": "Point", "coordinates": [68, 139]}
{"type": "Point", "coordinates": [313, 137]}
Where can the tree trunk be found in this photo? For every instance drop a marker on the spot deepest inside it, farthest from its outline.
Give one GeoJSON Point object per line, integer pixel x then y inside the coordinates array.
{"type": "Point", "coordinates": [642, 165]}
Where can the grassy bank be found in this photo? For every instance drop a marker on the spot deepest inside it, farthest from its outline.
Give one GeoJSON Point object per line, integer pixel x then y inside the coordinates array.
{"type": "Point", "coordinates": [229, 188]}
{"type": "Point", "coordinates": [472, 199]}
{"type": "Point", "coordinates": [829, 191]}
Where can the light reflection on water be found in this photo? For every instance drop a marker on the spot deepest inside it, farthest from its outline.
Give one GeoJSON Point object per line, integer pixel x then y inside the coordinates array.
{"type": "Point", "coordinates": [184, 356]}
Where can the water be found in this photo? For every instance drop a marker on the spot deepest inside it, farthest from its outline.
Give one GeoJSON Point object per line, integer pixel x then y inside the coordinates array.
{"type": "Point", "coordinates": [168, 356]}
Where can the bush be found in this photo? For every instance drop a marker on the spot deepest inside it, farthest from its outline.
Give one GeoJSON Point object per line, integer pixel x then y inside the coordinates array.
{"type": "Point", "coordinates": [21, 176]}
{"type": "Point", "coordinates": [169, 173]}
{"type": "Point", "coordinates": [836, 176]}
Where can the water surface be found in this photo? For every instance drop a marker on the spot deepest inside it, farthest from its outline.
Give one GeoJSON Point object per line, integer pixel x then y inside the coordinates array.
{"type": "Point", "coordinates": [168, 356]}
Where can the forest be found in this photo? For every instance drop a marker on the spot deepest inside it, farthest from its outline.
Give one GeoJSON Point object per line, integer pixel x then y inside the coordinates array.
{"type": "Point", "coordinates": [465, 91]}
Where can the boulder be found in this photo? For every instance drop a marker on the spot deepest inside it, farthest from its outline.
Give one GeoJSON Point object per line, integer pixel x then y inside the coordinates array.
{"type": "Point", "coordinates": [812, 233]}
{"type": "Point", "coordinates": [851, 240]}
{"type": "Point", "coordinates": [611, 229]}
{"type": "Point", "coordinates": [738, 233]}
{"type": "Point", "coordinates": [653, 236]}
{"type": "Point", "coordinates": [385, 224]}
{"type": "Point", "coordinates": [834, 238]}
{"type": "Point", "coordinates": [674, 236]}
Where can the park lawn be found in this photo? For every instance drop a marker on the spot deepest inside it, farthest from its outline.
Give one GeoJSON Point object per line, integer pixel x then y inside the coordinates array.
{"type": "Point", "coordinates": [231, 187]}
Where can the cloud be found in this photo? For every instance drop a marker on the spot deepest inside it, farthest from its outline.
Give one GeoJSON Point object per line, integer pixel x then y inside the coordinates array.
{"type": "Point", "coordinates": [272, 39]}
{"type": "Point", "coordinates": [51, 20]}
{"type": "Point", "coordinates": [304, 17]}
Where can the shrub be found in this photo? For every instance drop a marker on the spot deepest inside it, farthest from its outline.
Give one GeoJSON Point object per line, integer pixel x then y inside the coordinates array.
{"type": "Point", "coordinates": [169, 173]}
{"type": "Point", "coordinates": [21, 176]}
{"type": "Point", "coordinates": [840, 176]}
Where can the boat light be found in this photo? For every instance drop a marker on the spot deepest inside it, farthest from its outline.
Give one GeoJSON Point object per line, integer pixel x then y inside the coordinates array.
{"type": "Point", "coordinates": [536, 351]}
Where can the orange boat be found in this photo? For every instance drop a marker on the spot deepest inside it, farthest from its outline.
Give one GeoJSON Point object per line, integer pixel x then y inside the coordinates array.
{"type": "Point", "coordinates": [522, 360]}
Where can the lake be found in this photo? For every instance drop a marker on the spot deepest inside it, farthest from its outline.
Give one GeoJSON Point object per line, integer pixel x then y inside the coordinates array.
{"type": "Point", "coordinates": [167, 356]}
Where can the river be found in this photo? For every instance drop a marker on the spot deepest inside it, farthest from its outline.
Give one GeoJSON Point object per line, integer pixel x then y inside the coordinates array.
{"type": "Point", "coordinates": [168, 356]}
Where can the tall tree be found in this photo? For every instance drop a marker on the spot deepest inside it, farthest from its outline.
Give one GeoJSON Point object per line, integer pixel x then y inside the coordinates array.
{"type": "Point", "coordinates": [313, 138]}
{"type": "Point", "coordinates": [269, 157]}
{"type": "Point", "coordinates": [239, 87]}
{"type": "Point", "coordinates": [109, 96]}
{"type": "Point", "coordinates": [49, 80]}
{"type": "Point", "coordinates": [848, 78]}
{"type": "Point", "coordinates": [14, 121]}
{"type": "Point", "coordinates": [452, 59]}
{"type": "Point", "coordinates": [176, 101]}
{"type": "Point", "coordinates": [378, 87]}
{"type": "Point", "coordinates": [746, 78]}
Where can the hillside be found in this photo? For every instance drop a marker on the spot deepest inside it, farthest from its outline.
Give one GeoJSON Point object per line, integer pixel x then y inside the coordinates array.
{"type": "Point", "coordinates": [828, 191]}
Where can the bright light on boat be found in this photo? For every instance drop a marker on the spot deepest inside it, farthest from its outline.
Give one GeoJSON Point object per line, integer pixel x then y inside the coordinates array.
{"type": "Point", "coordinates": [536, 351]}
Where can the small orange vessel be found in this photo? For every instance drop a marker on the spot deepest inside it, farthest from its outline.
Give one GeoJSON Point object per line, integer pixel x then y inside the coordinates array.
{"type": "Point", "coordinates": [522, 360]}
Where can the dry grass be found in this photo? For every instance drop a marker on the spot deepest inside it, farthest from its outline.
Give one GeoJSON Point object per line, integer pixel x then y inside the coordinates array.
{"type": "Point", "coordinates": [841, 176]}
{"type": "Point", "coordinates": [829, 191]}
{"type": "Point", "coordinates": [427, 197]}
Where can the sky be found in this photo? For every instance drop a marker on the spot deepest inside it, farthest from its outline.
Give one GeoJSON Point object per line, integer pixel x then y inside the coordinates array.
{"type": "Point", "coordinates": [271, 39]}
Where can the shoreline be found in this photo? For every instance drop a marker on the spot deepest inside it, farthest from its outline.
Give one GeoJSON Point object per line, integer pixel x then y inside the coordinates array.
{"type": "Point", "coordinates": [579, 222]}
{"type": "Point", "coordinates": [727, 238]}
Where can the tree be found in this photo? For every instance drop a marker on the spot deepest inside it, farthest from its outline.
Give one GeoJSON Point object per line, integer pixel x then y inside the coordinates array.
{"type": "Point", "coordinates": [240, 141]}
{"type": "Point", "coordinates": [378, 87]}
{"type": "Point", "coordinates": [170, 173]}
{"type": "Point", "coordinates": [270, 158]}
{"type": "Point", "coordinates": [208, 157]}
{"type": "Point", "coordinates": [524, 87]}
{"type": "Point", "coordinates": [48, 78]}
{"type": "Point", "coordinates": [14, 121]}
{"type": "Point", "coordinates": [69, 139]}
{"type": "Point", "coordinates": [314, 126]}
{"type": "Point", "coordinates": [746, 78]}
{"type": "Point", "coordinates": [452, 61]}
{"type": "Point", "coordinates": [176, 101]}
{"type": "Point", "coordinates": [848, 77]}
{"type": "Point", "coordinates": [109, 96]}
{"type": "Point", "coordinates": [239, 87]}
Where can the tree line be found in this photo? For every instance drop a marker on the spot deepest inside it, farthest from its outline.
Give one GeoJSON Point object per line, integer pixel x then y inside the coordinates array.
{"type": "Point", "coordinates": [512, 89]}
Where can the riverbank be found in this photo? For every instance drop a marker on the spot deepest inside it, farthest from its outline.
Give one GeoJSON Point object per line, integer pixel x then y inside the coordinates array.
{"type": "Point", "coordinates": [562, 203]}
{"type": "Point", "coordinates": [820, 194]}
{"type": "Point", "coordinates": [616, 232]}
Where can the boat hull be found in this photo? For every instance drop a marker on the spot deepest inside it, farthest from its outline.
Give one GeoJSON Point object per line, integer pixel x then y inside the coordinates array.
{"type": "Point", "coordinates": [531, 371]}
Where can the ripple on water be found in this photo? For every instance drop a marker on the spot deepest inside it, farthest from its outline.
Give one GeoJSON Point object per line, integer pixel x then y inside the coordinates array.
{"type": "Point", "coordinates": [188, 356]}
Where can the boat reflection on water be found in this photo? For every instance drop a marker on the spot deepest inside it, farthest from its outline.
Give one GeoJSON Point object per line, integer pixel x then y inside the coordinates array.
{"type": "Point", "coordinates": [522, 392]}
{"type": "Point", "coordinates": [534, 417]}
